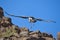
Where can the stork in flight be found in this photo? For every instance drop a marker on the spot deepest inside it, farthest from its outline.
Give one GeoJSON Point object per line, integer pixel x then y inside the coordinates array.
{"type": "Point", "coordinates": [31, 19]}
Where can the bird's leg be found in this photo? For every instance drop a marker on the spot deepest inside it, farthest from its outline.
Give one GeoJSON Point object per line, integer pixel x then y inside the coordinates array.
{"type": "Point", "coordinates": [32, 24]}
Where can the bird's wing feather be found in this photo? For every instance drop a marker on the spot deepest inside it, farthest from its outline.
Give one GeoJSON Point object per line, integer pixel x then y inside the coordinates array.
{"type": "Point", "coordinates": [25, 17]}
{"type": "Point", "coordinates": [50, 21]}
{"type": "Point", "coordinates": [39, 19]}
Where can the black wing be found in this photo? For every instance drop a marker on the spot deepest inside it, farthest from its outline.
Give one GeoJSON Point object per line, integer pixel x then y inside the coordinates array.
{"type": "Point", "coordinates": [45, 20]}
{"type": "Point", "coordinates": [25, 17]}
{"type": "Point", "coordinates": [51, 21]}
{"type": "Point", "coordinates": [39, 19]}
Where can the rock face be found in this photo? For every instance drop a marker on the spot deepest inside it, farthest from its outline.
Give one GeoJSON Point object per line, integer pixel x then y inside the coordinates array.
{"type": "Point", "coordinates": [9, 31]}
{"type": "Point", "coordinates": [58, 36]}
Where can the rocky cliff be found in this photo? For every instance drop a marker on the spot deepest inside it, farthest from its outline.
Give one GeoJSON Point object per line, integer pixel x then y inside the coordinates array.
{"type": "Point", "coordinates": [9, 31]}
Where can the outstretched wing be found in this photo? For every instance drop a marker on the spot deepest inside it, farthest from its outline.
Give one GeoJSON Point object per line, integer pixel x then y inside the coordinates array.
{"type": "Point", "coordinates": [50, 21]}
{"type": "Point", "coordinates": [45, 20]}
{"type": "Point", "coordinates": [25, 17]}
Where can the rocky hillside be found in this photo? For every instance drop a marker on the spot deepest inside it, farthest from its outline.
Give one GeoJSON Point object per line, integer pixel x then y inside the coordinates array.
{"type": "Point", "coordinates": [9, 31]}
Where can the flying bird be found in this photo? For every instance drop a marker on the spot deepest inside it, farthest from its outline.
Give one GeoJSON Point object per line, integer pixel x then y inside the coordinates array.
{"type": "Point", "coordinates": [31, 19]}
